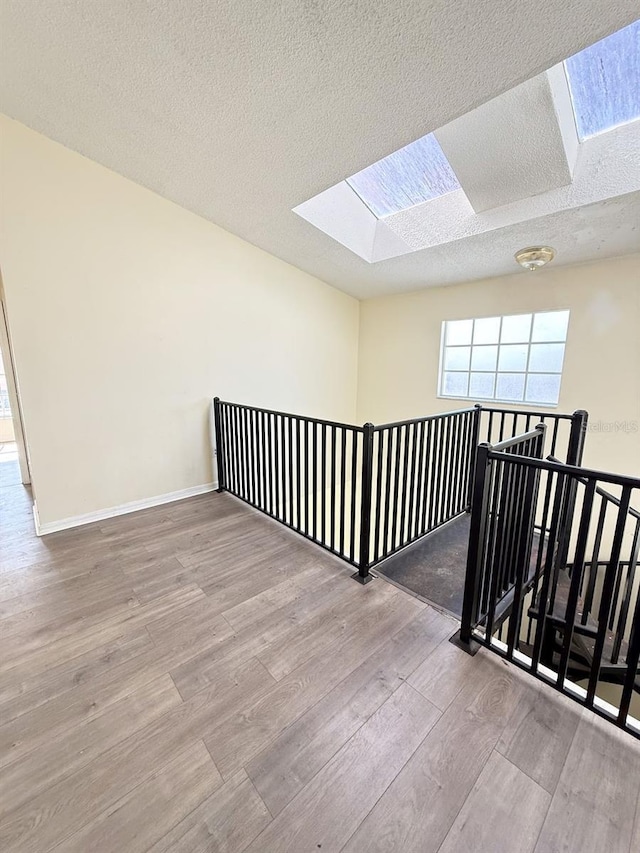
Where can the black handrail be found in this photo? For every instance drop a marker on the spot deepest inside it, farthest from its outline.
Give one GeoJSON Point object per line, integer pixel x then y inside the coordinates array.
{"type": "Point", "coordinates": [435, 417]}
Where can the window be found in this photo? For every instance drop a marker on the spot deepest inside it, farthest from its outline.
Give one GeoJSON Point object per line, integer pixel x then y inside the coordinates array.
{"type": "Point", "coordinates": [513, 359]}
{"type": "Point", "coordinates": [413, 174]}
{"type": "Point", "coordinates": [605, 82]}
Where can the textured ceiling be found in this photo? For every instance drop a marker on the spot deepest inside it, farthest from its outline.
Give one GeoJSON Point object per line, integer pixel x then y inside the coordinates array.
{"type": "Point", "coordinates": [239, 111]}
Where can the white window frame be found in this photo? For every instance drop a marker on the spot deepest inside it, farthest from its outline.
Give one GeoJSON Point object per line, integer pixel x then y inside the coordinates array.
{"type": "Point", "coordinates": [526, 372]}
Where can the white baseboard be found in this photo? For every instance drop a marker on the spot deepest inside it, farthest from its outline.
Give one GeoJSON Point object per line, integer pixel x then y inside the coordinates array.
{"type": "Point", "coordinates": [123, 509]}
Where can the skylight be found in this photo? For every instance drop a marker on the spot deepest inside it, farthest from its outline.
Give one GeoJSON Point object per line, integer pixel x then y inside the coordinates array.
{"type": "Point", "coordinates": [416, 173]}
{"type": "Point", "coordinates": [605, 82]}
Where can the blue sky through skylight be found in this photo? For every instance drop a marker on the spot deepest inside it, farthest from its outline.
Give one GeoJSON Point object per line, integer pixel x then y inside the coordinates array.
{"type": "Point", "coordinates": [416, 173]}
{"type": "Point", "coordinates": [605, 82]}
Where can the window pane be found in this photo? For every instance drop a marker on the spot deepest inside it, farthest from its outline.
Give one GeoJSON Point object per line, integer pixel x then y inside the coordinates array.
{"type": "Point", "coordinates": [481, 384]}
{"type": "Point", "coordinates": [546, 357]}
{"type": "Point", "coordinates": [603, 80]}
{"type": "Point", "coordinates": [513, 357]}
{"type": "Point", "coordinates": [550, 326]}
{"type": "Point", "coordinates": [455, 384]}
{"type": "Point", "coordinates": [510, 386]}
{"type": "Point", "coordinates": [484, 358]}
{"type": "Point", "coordinates": [487, 330]}
{"type": "Point", "coordinates": [459, 332]}
{"type": "Point", "coordinates": [543, 388]}
{"type": "Point", "coordinates": [515, 329]}
{"type": "Point", "coordinates": [413, 174]}
{"type": "Point", "coordinates": [457, 358]}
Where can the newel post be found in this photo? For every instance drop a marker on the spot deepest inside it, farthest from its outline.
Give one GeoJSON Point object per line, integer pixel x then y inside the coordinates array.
{"type": "Point", "coordinates": [473, 576]}
{"type": "Point", "coordinates": [362, 575]}
{"type": "Point", "coordinates": [577, 436]}
{"type": "Point", "coordinates": [217, 419]}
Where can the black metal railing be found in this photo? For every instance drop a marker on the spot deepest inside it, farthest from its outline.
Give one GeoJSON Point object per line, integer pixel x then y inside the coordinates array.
{"type": "Point", "coordinates": [502, 529]}
{"type": "Point", "coordinates": [304, 472]}
{"type": "Point", "coordinates": [552, 581]}
{"type": "Point", "coordinates": [420, 477]}
{"type": "Point", "coordinates": [363, 493]}
{"type": "Point", "coordinates": [564, 437]}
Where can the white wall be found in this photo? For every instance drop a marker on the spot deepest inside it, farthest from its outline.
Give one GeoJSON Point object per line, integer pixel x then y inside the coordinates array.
{"type": "Point", "coordinates": [129, 313]}
{"type": "Point", "coordinates": [400, 348]}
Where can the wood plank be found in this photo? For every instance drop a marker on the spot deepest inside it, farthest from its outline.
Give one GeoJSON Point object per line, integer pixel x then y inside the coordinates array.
{"type": "Point", "coordinates": [49, 817]}
{"type": "Point", "coordinates": [593, 807]}
{"type": "Point", "coordinates": [35, 728]}
{"type": "Point", "coordinates": [31, 610]}
{"type": "Point", "coordinates": [419, 807]}
{"type": "Point", "coordinates": [52, 759]}
{"type": "Point", "coordinates": [306, 583]}
{"type": "Point", "coordinates": [199, 671]}
{"type": "Point", "coordinates": [28, 579]}
{"type": "Point", "coordinates": [20, 637]}
{"type": "Point", "coordinates": [540, 732]}
{"type": "Point", "coordinates": [441, 677]}
{"type": "Point", "coordinates": [330, 807]}
{"type": "Point", "coordinates": [236, 740]}
{"type": "Point", "coordinates": [320, 633]}
{"type": "Point", "coordinates": [226, 822]}
{"type": "Point", "coordinates": [303, 748]}
{"type": "Point", "coordinates": [36, 657]}
{"type": "Point", "coordinates": [164, 799]}
{"type": "Point", "coordinates": [635, 835]}
{"type": "Point", "coordinates": [23, 691]}
{"type": "Point", "coordinates": [517, 805]}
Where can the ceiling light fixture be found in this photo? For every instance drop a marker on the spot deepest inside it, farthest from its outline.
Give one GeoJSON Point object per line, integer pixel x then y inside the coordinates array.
{"type": "Point", "coordinates": [534, 257]}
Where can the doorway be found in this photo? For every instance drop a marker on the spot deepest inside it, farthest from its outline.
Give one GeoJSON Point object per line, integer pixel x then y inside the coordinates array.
{"type": "Point", "coordinates": [14, 462]}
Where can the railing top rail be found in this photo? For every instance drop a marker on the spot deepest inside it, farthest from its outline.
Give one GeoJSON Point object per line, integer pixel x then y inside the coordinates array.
{"type": "Point", "coordinates": [518, 439]}
{"type": "Point", "coordinates": [435, 417]}
{"type": "Point", "coordinates": [577, 472]}
{"type": "Point", "coordinates": [296, 417]}
{"type": "Point", "coordinates": [603, 493]}
{"type": "Point", "coordinates": [527, 412]}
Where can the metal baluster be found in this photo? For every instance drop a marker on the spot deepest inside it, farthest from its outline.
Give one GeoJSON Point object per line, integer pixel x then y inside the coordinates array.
{"type": "Point", "coordinates": [421, 481]}
{"type": "Point", "coordinates": [606, 595]}
{"type": "Point", "coordinates": [432, 460]}
{"type": "Point", "coordinates": [332, 520]}
{"type": "Point", "coordinates": [354, 489]}
{"type": "Point", "coordinates": [593, 568]}
{"type": "Point", "coordinates": [388, 484]}
{"type": "Point", "coordinates": [629, 586]}
{"type": "Point", "coordinates": [405, 485]}
{"type": "Point", "coordinates": [343, 487]}
{"type": "Point", "coordinates": [411, 533]}
{"type": "Point", "coordinates": [396, 489]}
{"type": "Point", "coordinates": [306, 476]}
{"type": "Point", "coordinates": [314, 459]}
{"type": "Point", "coordinates": [298, 478]}
{"type": "Point", "coordinates": [323, 518]}
{"type": "Point", "coordinates": [576, 580]}
{"type": "Point", "coordinates": [377, 546]}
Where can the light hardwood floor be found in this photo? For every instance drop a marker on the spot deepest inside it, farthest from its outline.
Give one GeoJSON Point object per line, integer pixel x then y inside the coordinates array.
{"type": "Point", "coordinates": [196, 678]}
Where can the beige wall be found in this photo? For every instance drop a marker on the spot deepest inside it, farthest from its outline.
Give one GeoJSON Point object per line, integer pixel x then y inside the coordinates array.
{"type": "Point", "coordinates": [400, 348]}
{"type": "Point", "coordinates": [129, 313]}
